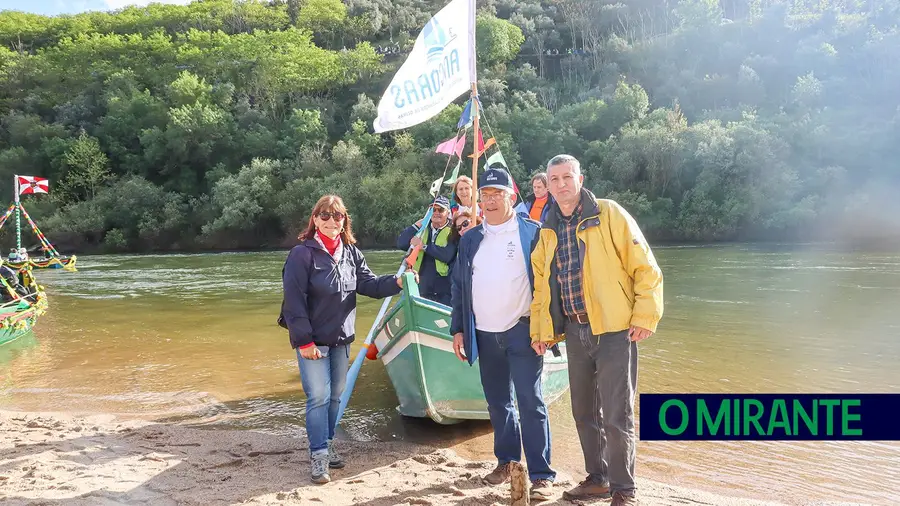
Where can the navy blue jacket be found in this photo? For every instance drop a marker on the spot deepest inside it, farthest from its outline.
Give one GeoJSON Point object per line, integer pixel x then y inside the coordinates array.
{"type": "Point", "coordinates": [463, 316]}
{"type": "Point", "coordinates": [320, 295]}
{"type": "Point", "coordinates": [430, 282]}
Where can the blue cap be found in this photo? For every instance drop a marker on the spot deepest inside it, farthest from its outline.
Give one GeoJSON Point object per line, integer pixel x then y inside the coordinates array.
{"type": "Point", "coordinates": [496, 177]}
{"type": "Point", "coordinates": [442, 201]}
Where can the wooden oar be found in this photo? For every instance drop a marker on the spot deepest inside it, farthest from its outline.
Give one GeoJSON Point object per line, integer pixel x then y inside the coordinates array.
{"type": "Point", "coordinates": [408, 261]}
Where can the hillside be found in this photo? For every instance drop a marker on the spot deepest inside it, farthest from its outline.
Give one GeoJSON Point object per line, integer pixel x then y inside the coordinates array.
{"type": "Point", "coordinates": [218, 124]}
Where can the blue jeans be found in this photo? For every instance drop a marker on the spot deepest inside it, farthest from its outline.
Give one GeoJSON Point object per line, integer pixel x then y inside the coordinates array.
{"type": "Point", "coordinates": [509, 366]}
{"type": "Point", "coordinates": [323, 382]}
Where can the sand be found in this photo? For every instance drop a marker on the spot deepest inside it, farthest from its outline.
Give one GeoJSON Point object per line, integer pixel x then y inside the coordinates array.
{"type": "Point", "coordinates": [56, 458]}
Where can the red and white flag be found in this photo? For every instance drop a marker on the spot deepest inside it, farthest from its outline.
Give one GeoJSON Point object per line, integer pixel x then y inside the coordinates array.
{"type": "Point", "coordinates": [32, 184]}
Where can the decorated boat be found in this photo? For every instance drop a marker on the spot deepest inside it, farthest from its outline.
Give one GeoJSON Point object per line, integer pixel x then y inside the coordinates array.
{"type": "Point", "coordinates": [19, 258]}
{"type": "Point", "coordinates": [416, 349]}
{"type": "Point", "coordinates": [21, 306]}
{"type": "Point", "coordinates": [412, 338]}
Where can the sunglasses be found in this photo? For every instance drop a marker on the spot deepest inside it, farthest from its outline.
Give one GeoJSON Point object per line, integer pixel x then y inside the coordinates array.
{"type": "Point", "coordinates": [327, 215]}
{"type": "Point", "coordinates": [462, 225]}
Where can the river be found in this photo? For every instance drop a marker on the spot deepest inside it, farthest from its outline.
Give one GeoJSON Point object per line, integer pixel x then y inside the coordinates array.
{"type": "Point", "coordinates": [193, 338]}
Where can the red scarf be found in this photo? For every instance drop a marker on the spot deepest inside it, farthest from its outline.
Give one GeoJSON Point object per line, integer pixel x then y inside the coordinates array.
{"type": "Point", "coordinates": [330, 244]}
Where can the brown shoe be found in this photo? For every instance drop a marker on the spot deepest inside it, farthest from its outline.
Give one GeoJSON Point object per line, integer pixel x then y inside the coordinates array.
{"type": "Point", "coordinates": [620, 499]}
{"type": "Point", "coordinates": [541, 489]}
{"type": "Point", "coordinates": [588, 489]}
{"type": "Point", "coordinates": [499, 475]}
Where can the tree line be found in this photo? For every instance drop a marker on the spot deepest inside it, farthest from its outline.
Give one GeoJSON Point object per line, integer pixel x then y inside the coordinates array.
{"type": "Point", "coordinates": [216, 125]}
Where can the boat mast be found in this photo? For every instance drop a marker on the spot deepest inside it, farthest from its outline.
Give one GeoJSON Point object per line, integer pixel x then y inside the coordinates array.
{"type": "Point", "coordinates": [475, 151]}
{"type": "Point", "coordinates": [475, 111]}
{"type": "Point", "coordinates": [18, 213]}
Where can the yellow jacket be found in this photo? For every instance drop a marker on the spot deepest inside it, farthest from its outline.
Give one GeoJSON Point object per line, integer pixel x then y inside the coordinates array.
{"type": "Point", "coordinates": [622, 284]}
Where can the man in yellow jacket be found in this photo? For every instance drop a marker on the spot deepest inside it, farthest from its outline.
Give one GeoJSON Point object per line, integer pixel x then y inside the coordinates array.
{"type": "Point", "coordinates": [597, 285]}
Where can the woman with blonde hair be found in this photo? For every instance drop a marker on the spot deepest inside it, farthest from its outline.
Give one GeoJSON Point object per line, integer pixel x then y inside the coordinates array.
{"type": "Point", "coordinates": [321, 278]}
{"type": "Point", "coordinates": [462, 194]}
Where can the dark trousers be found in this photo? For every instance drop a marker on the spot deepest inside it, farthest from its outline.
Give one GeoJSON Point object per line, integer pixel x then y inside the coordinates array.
{"type": "Point", "coordinates": [603, 380]}
{"type": "Point", "coordinates": [510, 367]}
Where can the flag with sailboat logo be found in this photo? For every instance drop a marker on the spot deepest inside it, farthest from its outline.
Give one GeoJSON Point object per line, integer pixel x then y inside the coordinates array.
{"type": "Point", "coordinates": [440, 68]}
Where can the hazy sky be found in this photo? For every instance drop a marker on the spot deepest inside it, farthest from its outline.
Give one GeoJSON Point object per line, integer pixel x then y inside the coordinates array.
{"type": "Point", "coordinates": [50, 7]}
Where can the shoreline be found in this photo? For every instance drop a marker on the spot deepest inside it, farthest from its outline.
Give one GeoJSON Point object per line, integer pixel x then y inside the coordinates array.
{"type": "Point", "coordinates": [56, 458]}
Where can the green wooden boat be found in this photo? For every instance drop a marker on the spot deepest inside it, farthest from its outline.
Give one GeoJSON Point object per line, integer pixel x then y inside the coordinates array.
{"type": "Point", "coordinates": [18, 317]}
{"type": "Point", "coordinates": [416, 348]}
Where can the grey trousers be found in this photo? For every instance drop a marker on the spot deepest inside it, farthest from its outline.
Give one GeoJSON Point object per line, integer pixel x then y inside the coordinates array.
{"type": "Point", "coordinates": [602, 382]}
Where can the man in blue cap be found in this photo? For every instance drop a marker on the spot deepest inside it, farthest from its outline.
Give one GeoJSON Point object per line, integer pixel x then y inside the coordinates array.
{"type": "Point", "coordinates": [437, 252]}
{"type": "Point", "coordinates": [492, 285]}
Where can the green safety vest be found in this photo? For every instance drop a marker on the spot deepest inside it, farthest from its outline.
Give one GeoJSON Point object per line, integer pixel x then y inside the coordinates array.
{"type": "Point", "coordinates": [443, 237]}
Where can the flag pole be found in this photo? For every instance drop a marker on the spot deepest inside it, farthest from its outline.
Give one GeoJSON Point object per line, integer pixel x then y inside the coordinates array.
{"type": "Point", "coordinates": [474, 67]}
{"type": "Point", "coordinates": [18, 213]}
{"type": "Point", "coordinates": [475, 154]}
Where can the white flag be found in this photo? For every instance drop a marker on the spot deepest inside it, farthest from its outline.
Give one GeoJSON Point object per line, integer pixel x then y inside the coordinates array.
{"type": "Point", "coordinates": [435, 187]}
{"type": "Point", "coordinates": [440, 68]}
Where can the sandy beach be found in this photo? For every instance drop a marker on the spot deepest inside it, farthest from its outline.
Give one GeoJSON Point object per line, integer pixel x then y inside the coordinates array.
{"type": "Point", "coordinates": [55, 458]}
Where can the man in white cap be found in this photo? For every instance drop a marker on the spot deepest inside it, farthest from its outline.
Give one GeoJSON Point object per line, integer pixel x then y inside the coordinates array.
{"type": "Point", "coordinates": [492, 288]}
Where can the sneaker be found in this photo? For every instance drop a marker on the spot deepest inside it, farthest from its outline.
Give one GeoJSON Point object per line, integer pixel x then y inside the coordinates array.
{"type": "Point", "coordinates": [620, 499]}
{"type": "Point", "coordinates": [334, 459]}
{"type": "Point", "coordinates": [499, 475]}
{"type": "Point", "coordinates": [541, 489]}
{"type": "Point", "coordinates": [319, 468]}
{"type": "Point", "coordinates": [588, 489]}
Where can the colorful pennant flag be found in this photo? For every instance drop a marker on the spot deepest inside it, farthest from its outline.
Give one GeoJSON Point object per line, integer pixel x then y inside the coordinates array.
{"type": "Point", "coordinates": [32, 184]}
{"type": "Point", "coordinates": [454, 174]}
{"type": "Point", "coordinates": [482, 145]}
{"type": "Point", "coordinates": [451, 146]}
{"type": "Point", "coordinates": [435, 187]}
{"type": "Point", "coordinates": [466, 118]}
{"type": "Point", "coordinates": [498, 159]}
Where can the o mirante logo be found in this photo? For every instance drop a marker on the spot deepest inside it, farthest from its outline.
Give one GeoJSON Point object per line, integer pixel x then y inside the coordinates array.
{"type": "Point", "coordinates": [769, 417]}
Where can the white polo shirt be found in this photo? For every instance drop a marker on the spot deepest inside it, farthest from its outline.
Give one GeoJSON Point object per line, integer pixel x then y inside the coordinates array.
{"type": "Point", "coordinates": [501, 293]}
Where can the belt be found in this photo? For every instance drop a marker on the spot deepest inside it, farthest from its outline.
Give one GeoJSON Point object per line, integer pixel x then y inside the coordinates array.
{"type": "Point", "coordinates": [581, 318]}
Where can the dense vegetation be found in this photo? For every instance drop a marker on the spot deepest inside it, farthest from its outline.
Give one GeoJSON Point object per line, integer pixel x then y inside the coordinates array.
{"type": "Point", "coordinates": [218, 124]}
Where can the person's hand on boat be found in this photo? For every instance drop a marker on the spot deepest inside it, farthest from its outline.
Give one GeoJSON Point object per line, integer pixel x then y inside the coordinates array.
{"type": "Point", "coordinates": [415, 275]}
{"type": "Point", "coordinates": [311, 353]}
{"type": "Point", "coordinates": [637, 333]}
{"type": "Point", "coordinates": [539, 347]}
{"type": "Point", "coordinates": [458, 346]}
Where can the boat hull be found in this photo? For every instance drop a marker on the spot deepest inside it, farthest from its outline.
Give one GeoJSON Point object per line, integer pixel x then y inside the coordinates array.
{"type": "Point", "coordinates": [416, 349]}
{"type": "Point", "coordinates": [61, 262]}
{"type": "Point", "coordinates": [17, 322]}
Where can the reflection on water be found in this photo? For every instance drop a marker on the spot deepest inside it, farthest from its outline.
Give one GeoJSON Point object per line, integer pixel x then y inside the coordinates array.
{"type": "Point", "coordinates": [193, 337]}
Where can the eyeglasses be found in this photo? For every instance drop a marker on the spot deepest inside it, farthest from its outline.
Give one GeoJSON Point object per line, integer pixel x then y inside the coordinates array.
{"type": "Point", "coordinates": [327, 215]}
{"type": "Point", "coordinates": [490, 197]}
{"type": "Point", "coordinates": [439, 210]}
{"type": "Point", "coordinates": [462, 225]}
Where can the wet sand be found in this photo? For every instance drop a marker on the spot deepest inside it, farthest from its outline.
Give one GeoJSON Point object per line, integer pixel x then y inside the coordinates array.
{"type": "Point", "coordinates": [57, 458]}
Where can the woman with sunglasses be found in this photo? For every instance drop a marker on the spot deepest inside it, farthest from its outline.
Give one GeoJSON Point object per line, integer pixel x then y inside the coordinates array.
{"type": "Point", "coordinates": [321, 278]}
{"type": "Point", "coordinates": [462, 223]}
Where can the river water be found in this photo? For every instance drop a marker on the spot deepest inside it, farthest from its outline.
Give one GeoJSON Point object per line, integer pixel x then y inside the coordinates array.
{"type": "Point", "coordinates": [193, 338]}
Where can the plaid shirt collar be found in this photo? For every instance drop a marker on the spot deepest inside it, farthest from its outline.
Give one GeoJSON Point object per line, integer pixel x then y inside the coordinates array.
{"type": "Point", "coordinates": [574, 218]}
